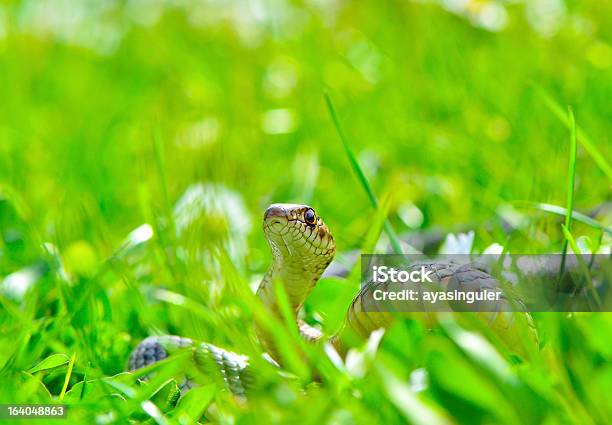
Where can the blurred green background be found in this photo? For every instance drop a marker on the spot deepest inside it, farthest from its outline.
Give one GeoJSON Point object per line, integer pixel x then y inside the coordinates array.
{"type": "Point", "coordinates": [184, 119]}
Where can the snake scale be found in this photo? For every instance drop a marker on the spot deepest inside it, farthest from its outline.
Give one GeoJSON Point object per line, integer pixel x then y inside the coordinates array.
{"type": "Point", "coordinates": [302, 248]}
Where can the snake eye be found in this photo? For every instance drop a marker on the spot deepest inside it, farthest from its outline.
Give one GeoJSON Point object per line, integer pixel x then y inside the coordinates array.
{"type": "Point", "coordinates": [310, 217]}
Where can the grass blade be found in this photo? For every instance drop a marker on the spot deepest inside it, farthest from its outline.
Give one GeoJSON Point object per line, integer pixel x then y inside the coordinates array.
{"type": "Point", "coordinates": [571, 179]}
{"type": "Point", "coordinates": [82, 393]}
{"type": "Point", "coordinates": [68, 374]}
{"type": "Point", "coordinates": [586, 142]}
{"type": "Point", "coordinates": [555, 209]}
{"type": "Point", "coordinates": [394, 240]}
{"type": "Point", "coordinates": [51, 362]}
{"type": "Point", "coordinates": [416, 410]}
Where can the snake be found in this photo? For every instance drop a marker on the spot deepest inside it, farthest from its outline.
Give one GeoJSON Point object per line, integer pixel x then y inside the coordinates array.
{"type": "Point", "coordinates": [302, 247]}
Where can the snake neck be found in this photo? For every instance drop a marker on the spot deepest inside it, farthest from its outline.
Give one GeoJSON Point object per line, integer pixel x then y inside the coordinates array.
{"type": "Point", "coordinates": [297, 278]}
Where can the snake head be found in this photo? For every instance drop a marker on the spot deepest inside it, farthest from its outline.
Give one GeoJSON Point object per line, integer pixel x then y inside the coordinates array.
{"type": "Point", "coordinates": [297, 232]}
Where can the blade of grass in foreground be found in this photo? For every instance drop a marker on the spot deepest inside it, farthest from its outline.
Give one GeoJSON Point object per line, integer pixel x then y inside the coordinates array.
{"type": "Point", "coordinates": [571, 178]}
{"type": "Point", "coordinates": [68, 374]}
{"type": "Point", "coordinates": [588, 144]}
{"type": "Point", "coordinates": [555, 209]}
{"type": "Point", "coordinates": [414, 408]}
{"type": "Point", "coordinates": [395, 244]}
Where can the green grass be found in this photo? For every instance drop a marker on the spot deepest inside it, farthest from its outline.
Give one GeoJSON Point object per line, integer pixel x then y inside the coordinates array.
{"type": "Point", "coordinates": [393, 239]}
{"type": "Point", "coordinates": [571, 181]}
{"type": "Point", "coordinates": [107, 120]}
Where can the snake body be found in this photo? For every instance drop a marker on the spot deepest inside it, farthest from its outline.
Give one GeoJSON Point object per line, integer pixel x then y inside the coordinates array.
{"type": "Point", "coordinates": [302, 248]}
